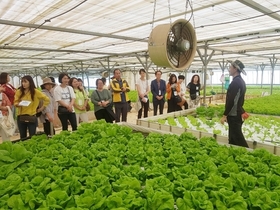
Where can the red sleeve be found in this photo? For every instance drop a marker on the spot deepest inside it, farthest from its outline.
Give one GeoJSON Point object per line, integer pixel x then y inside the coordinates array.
{"type": "Point", "coordinates": [10, 93]}
{"type": "Point", "coordinates": [5, 100]}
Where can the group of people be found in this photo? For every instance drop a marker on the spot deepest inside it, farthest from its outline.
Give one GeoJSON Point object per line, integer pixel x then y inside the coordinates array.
{"type": "Point", "coordinates": [174, 89]}
{"type": "Point", "coordinates": [70, 101]}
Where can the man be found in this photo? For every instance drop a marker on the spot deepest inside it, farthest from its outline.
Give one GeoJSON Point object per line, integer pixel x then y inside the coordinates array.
{"type": "Point", "coordinates": [158, 89]}
{"type": "Point", "coordinates": [120, 88]}
{"type": "Point", "coordinates": [143, 90]}
{"type": "Point", "coordinates": [183, 90]}
{"type": "Point", "coordinates": [234, 105]}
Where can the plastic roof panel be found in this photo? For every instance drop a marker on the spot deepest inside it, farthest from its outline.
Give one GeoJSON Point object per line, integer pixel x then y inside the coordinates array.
{"type": "Point", "coordinates": [89, 31]}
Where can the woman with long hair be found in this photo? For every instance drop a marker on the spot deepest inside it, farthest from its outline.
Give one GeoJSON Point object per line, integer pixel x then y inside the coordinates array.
{"type": "Point", "coordinates": [172, 89]}
{"type": "Point", "coordinates": [27, 99]}
{"type": "Point", "coordinates": [65, 96]}
{"type": "Point", "coordinates": [81, 86]}
{"type": "Point", "coordinates": [81, 100]}
{"type": "Point", "coordinates": [194, 88]}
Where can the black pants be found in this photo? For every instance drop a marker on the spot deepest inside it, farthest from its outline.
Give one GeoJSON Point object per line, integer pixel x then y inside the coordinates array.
{"type": "Point", "coordinates": [146, 109]}
{"type": "Point", "coordinates": [121, 109]}
{"type": "Point", "coordinates": [47, 128]}
{"type": "Point", "coordinates": [64, 121]}
{"type": "Point", "coordinates": [23, 126]}
{"type": "Point", "coordinates": [172, 105]}
{"type": "Point", "coordinates": [156, 104]}
{"type": "Point", "coordinates": [235, 135]}
{"type": "Point", "coordinates": [103, 114]}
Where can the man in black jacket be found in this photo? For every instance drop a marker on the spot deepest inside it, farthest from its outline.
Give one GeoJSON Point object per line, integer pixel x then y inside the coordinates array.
{"type": "Point", "coordinates": [234, 105]}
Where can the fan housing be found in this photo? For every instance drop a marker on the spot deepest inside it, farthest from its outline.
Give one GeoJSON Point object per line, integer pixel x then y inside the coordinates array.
{"type": "Point", "coordinates": [173, 45]}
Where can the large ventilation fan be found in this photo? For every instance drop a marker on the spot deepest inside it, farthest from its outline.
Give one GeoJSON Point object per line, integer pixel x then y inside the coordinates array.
{"type": "Point", "coordinates": [105, 74]}
{"type": "Point", "coordinates": [173, 45]}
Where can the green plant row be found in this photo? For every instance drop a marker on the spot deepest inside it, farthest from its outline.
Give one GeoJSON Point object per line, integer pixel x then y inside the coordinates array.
{"type": "Point", "coordinates": [268, 105]}
{"type": "Point", "coordinates": [107, 166]}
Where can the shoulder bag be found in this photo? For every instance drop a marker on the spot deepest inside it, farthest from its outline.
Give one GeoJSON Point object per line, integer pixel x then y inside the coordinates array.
{"type": "Point", "coordinates": [27, 118]}
{"type": "Point", "coordinates": [8, 123]}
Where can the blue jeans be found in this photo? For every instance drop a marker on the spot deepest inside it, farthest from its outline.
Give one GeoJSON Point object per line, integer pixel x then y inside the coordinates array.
{"type": "Point", "coordinates": [23, 126]}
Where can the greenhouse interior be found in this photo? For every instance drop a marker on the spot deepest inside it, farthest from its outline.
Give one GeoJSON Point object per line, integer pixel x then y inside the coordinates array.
{"type": "Point", "coordinates": [140, 105]}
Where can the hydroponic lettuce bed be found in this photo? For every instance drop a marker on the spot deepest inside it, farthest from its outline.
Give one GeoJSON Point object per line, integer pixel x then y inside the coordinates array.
{"type": "Point", "coordinates": [107, 166]}
{"type": "Point", "coordinates": [255, 128]}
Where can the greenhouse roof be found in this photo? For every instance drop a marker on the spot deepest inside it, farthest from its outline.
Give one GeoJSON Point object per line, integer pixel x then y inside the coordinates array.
{"type": "Point", "coordinates": [63, 35]}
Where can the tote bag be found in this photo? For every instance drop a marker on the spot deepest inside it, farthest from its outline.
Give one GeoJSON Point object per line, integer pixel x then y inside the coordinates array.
{"type": "Point", "coordinates": [8, 123]}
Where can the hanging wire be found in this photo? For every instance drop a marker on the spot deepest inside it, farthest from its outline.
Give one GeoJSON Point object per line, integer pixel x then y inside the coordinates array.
{"type": "Point", "coordinates": [153, 21]}
{"type": "Point", "coordinates": [192, 16]}
{"type": "Point", "coordinates": [48, 20]}
{"type": "Point", "coordinates": [169, 8]}
{"type": "Point", "coordinates": [154, 13]}
{"type": "Point", "coordinates": [186, 9]}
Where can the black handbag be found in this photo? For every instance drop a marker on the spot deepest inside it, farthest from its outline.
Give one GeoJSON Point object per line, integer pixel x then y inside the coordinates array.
{"type": "Point", "coordinates": [193, 96]}
{"type": "Point", "coordinates": [27, 118]}
{"type": "Point", "coordinates": [62, 110]}
{"type": "Point", "coordinates": [178, 99]}
{"type": "Point", "coordinates": [112, 114]}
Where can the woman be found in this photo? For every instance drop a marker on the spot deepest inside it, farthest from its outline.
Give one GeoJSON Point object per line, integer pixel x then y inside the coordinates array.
{"type": "Point", "coordinates": [65, 97]}
{"type": "Point", "coordinates": [81, 100]}
{"type": "Point", "coordinates": [194, 88]}
{"type": "Point", "coordinates": [27, 99]}
{"type": "Point", "coordinates": [101, 98]}
{"type": "Point", "coordinates": [4, 102]}
{"type": "Point", "coordinates": [82, 87]}
{"type": "Point", "coordinates": [172, 90]}
{"type": "Point", "coordinates": [47, 117]}
{"type": "Point", "coordinates": [9, 89]}
{"type": "Point", "coordinates": [143, 90]}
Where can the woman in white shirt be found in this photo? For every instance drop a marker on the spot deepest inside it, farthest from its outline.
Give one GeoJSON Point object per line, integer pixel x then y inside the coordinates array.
{"type": "Point", "coordinates": [143, 90]}
{"type": "Point", "coordinates": [65, 96]}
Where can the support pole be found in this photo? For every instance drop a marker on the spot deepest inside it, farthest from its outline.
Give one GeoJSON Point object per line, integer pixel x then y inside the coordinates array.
{"type": "Point", "coordinates": [257, 79]}
{"type": "Point", "coordinates": [262, 66]}
{"type": "Point", "coordinates": [36, 76]}
{"type": "Point", "coordinates": [223, 66]}
{"type": "Point", "coordinates": [273, 62]}
{"type": "Point", "coordinates": [108, 67]}
{"type": "Point", "coordinates": [205, 60]}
